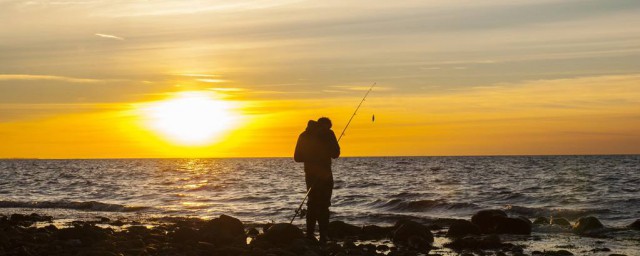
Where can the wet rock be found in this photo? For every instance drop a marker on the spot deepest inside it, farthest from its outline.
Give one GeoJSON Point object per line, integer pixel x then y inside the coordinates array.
{"type": "Point", "coordinates": [87, 234]}
{"type": "Point", "coordinates": [487, 220]}
{"type": "Point", "coordinates": [517, 226]}
{"type": "Point", "coordinates": [463, 228]}
{"type": "Point", "coordinates": [340, 230]}
{"type": "Point", "coordinates": [635, 225]}
{"type": "Point", "coordinates": [372, 232]}
{"type": "Point", "coordinates": [560, 222]}
{"type": "Point", "coordinates": [224, 230]}
{"type": "Point", "coordinates": [587, 225]}
{"type": "Point", "coordinates": [412, 234]}
{"type": "Point", "coordinates": [542, 221]}
{"type": "Point", "coordinates": [282, 234]}
{"type": "Point", "coordinates": [497, 222]}
{"type": "Point", "coordinates": [475, 243]}
{"type": "Point", "coordinates": [184, 235]}
{"type": "Point", "coordinates": [27, 220]}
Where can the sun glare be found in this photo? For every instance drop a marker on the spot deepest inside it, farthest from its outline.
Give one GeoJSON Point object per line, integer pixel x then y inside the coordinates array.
{"type": "Point", "coordinates": [191, 118]}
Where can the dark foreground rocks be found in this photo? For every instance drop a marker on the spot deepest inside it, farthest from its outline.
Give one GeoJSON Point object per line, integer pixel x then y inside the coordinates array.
{"type": "Point", "coordinates": [497, 222]}
{"type": "Point", "coordinates": [223, 236]}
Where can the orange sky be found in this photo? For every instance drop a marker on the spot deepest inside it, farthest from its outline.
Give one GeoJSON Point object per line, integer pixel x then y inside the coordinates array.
{"type": "Point", "coordinates": [453, 77]}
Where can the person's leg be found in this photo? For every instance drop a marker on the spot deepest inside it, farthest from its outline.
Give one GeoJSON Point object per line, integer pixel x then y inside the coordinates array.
{"type": "Point", "coordinates": [311, 221]}
{"type": "Point", "coordinates": [323, 224]}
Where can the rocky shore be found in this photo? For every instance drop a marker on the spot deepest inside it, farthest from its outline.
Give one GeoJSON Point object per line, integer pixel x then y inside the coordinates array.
{"type": "Point", "coordinates": [488, 232]}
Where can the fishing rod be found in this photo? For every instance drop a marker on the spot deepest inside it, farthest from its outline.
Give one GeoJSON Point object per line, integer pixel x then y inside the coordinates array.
{"type": "Point", "coordinates": [341, 134]}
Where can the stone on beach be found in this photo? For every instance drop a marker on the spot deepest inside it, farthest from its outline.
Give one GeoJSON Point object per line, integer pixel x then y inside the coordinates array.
{"type": "Point", "coordinates": [497, 222]}
{"type": "Point", "coordinates": [340, 229]}
{"type": "Point", "coordinates": [542, 221]}
{"type": "Point", "coordinates": [412, 234]}
{"type": "Point", "coordinates": [282, 233]}
{"type": "Point", "coordinates": [560, 222]}
{"type": "Point", "coordinates": [461, 228]}
{"type": "Point", "coordinates": [587, 225]}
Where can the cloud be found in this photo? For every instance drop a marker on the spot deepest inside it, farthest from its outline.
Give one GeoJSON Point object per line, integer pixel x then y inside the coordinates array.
{"type": "Point", "coordinates": [109, 36]}
{"type": "Point", "coordinates": [13, 77]}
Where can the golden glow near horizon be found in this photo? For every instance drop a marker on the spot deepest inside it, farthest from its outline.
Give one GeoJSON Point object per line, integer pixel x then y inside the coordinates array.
{"type": "Point", "coordinates": [204, 78]}
{"type": "Point", "coordinates": [191, 118]}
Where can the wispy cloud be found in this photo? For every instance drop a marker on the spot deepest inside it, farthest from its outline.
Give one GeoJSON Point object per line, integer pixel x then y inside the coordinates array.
{"type": "Point", "coordinates": [11, 77]}
{"type": "Point", "coordinates": [210, 80]}
{"type": "Point", "coordinates": [109, 36]}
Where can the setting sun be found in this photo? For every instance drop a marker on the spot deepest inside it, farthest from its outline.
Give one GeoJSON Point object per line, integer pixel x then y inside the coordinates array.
{"type": "Point", "coordinates": [190, 118]}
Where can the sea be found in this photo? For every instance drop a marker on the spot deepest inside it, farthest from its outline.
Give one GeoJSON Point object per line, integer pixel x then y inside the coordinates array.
{"type": "Point", "coordinates": [368, 190]}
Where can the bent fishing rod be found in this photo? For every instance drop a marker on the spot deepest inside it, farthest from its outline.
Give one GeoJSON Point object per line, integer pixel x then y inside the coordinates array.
{"type": "Point", "coordinates": [340, 137]}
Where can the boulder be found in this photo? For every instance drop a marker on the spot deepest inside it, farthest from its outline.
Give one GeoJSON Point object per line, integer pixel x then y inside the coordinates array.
{"type": "Point", "coordinates": [340, 229]}
{"type": "Point", "coordinates": [461, 228]}
{"type": "Point", "coordinates": [560, 222]}
{"type": "Point", "coordinates": [516, 226]}
{"type": "Point", "coordinates": [587, 225]}
{"type": "Point", "coordinates": [487, 220]}
{"type": "Point", "coordinates": [635, 225]}
{"type": "Point", "coordinates": [542, 221]}
{"type": "Point", "coordinates": [282, 234]}
{"type": "Point", "coordinates": [497, 222]}
{"type": "Point", "coordinates": [372, 232]}
{"type": "Point", "coordinates": [412, 234]}
{"type": "Point", "coordinates": [223, 231]}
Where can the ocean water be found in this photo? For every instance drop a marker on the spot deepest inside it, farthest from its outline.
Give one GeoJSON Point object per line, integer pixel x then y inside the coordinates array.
{"type": "Point", "coordinates": [367, 190]}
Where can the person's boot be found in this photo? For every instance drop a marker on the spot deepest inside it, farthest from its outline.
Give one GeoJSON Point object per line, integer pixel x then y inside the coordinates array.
{"type": "Point", "coordinates": [311, 225]}
{"type": "Point", "coordinates": [323, 226]}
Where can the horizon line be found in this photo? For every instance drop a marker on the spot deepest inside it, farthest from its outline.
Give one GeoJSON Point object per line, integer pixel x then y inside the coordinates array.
{"type": "Point", "coordinates": [258, 157]}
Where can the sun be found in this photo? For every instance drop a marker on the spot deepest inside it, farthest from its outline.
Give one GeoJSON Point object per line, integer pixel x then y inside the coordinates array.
{"type": "Point", "coordinates": [190, 118]}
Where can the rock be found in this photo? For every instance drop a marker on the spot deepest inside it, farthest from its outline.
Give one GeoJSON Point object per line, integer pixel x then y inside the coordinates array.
{"type": "Point", "coordinates": [340, 230]}
{"type": "Point", "coordinates": [542, 221]}
{"type": "Point", "coordinates": [372, 232]}
{"type": "Point", "coordinates": [635, 225]}
{"type": "Point", "coordinates": [497, 222]}
{"type": "Point", "coordinates": [463, 228]}
{"type": "Point", "coordinates": [282, 234]}
{"type": "Point", "coordinates": [560, 222]}
{"type": "Point", "coordinates": [587, 225]}
{"type": "Point", "coordinates": [413, 234]}
{"type": "Point", "coordinates": [27, 220]}
{"type": "Point", "coordinates": [88, 234]}
{"type": "Point", "coordinates": [487, 220]}
{"type": "Point", "coordinates": [517, 226]}
{"type": "Point", "coordinates": [184, 235]}
{"type": "Point", "coordinates": [224, 230]}
{"type": "Point", "coordinates": [475, 243]}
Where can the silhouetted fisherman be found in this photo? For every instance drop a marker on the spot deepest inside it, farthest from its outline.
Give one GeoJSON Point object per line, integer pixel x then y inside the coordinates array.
{"type": "Point", "coordinates": [316, 146]}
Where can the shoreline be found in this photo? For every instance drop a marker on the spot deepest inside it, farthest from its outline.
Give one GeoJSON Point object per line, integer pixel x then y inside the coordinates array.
{"type": "Point", "coordinates": [37, 234]}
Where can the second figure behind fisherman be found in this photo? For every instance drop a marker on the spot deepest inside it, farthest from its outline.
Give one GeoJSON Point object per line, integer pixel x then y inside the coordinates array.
{"type": "Point", "coordinates": [316, 146]}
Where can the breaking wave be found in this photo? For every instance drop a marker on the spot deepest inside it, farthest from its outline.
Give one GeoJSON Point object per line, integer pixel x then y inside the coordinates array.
{"type": "Point", "coordinates": [86, 206]}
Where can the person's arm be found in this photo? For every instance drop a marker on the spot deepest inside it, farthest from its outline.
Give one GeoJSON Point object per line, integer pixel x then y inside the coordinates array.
{"type": "Point", "coordinates": [335, 147]}
{"type": "Point", "coordinates": [299, 155]}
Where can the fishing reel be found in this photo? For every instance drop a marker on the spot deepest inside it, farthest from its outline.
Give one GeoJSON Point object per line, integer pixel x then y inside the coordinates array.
{"type": "Point", "coordinates": [302, 213]}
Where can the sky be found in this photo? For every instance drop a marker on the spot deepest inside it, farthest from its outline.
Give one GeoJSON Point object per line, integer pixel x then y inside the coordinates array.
{"type": "Point", "coordinates": [82, 78]}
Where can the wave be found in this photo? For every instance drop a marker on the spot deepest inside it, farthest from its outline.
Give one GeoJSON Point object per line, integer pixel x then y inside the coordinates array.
{"type": "Point", "coordinates": [424, 205]}
{"type": "Point", "coordinates": [85, 206]}
{"type": "Point", "coordinates": [571, 214]}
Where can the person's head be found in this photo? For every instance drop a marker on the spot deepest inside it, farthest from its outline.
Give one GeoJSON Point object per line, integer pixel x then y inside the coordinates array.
{"type": "Point", "coordinates": [312, 125]}
{"type": "Point", "coordinates": [325, 122]}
